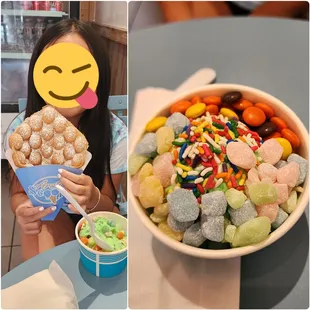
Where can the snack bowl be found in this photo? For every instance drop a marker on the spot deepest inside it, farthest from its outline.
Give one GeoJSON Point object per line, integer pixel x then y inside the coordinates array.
{"type": "Point", "coordinates": [254, 95]}
{"type": "Point", "coordinates": [103, 264]}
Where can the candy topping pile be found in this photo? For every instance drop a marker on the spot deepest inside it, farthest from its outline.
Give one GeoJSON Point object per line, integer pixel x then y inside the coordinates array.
{"type": "Point", "coordinates": [206, 177]}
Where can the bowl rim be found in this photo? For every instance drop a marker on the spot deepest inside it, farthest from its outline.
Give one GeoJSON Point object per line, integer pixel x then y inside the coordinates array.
{"type": "Point", "coordinates": [232, 252]}
{"type": "Point", "coordinates": [91, 250]}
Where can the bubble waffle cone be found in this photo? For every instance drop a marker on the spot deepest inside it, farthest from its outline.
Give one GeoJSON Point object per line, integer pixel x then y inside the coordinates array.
{"type": "Point", "coordinates": [46, 138]}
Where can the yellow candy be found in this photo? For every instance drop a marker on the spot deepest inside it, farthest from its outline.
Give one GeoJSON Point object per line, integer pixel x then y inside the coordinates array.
{"type": "Point", "coordinates": [231, 134]}
{"type": "Point", "coordinates": [186, 168]}
{"type": "Point", "coordinates": [162, 209]}
{"type": "Point", "coordinates": [155, 123]}
{"type": "Point", "coordinates": [287, 148]}
{"type": "Point", "coordinates": [195, 110]}
{"type": "Point", "coordinates": [164, 138]}
{"type": "Point", "coordinates": [228, 113]}
{"type": "Point", "coordinates": [163, 226]}
{"type": "Point", "coordinates": [213, 128]}
{"type": "Point", "coordinates": [157, 218]}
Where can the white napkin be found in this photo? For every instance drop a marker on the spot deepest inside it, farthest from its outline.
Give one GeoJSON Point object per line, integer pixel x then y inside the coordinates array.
{"type": "Point", "coordinates": [47, 289]}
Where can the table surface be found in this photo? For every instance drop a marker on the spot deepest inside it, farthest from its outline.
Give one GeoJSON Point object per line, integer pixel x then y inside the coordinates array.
{"type": "Point", "coordinates": [265, 53]}
{"type": "Point", "coordinates": [92, 292]}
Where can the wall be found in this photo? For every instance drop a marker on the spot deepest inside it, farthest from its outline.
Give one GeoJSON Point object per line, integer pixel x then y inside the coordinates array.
{"type": "Point", "coordinates": [110, 20]}
{"type": "Point", "coordinates": [113, 14]}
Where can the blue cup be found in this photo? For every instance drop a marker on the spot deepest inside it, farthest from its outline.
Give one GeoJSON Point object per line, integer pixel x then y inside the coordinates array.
{"type": "Point", "coordinates": [39, 184]}
{"type": "Point", "coordinates": [103, 264]}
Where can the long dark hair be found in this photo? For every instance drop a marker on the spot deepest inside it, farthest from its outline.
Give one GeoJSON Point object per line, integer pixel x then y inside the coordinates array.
{"type": "Point", "coordinates": [94, 123]}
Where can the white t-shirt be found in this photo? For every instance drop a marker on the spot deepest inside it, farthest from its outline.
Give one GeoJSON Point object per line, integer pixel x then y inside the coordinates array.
{"type": "Point", "coordinates": [248, 5]}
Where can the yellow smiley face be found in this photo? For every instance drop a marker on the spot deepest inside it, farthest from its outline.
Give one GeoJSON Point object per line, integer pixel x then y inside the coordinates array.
{"type": "Point", "coordinates": [66, 75]}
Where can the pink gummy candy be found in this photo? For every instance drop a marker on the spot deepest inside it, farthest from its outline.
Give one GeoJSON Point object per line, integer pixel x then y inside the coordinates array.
{"type": "Point", "coordinates": [163, 168]}
{"type": "Point", "coordinates": [288, 174]}
{"type": "Point", "coordinates": [269, 210]}
{"type": "Point", "coordinates": [266, 180]}
{"type": "Point", "coordinates": [241, 155]}
{"type": "Point", "coordinates": [253, 175]}
{"type": "Point", "coordinates": [266, 170]}
{"type": "Point", "coordinates": [282, 190]}
{"type": "Point", "coordinates": [270, 151]}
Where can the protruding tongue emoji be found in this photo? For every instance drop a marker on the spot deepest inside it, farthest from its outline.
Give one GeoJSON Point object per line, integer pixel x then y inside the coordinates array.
{"type": "Point", "coordinates": [88, 99]}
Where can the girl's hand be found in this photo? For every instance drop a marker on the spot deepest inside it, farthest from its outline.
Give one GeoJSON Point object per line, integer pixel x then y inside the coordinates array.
{"type": "Point", "coordinates": [29, 217]}
{"type": "Point", "coordinates": [81, 188]}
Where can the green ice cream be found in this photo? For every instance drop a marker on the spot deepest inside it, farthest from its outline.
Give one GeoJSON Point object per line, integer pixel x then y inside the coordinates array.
{"type": "Point", "coordinates": [112, 234]}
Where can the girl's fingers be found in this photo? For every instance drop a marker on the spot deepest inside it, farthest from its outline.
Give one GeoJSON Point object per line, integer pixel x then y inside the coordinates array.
{"type": "Point", "coordinates": [81, 200]}
{"type": "Point", "coordinates": [75, 178]}
{"type": "Point", "coordinates": [25, 211]}
{"type": "Point", "coordinates": [33, 232]}
{"type": "Point", "coordinates": [39, 215]}
{"type": "Point", "coordinates": [43, 213]}
{"type": "Point", "coordinates": [33, 226]}
{"type": "Point", "coordinates": [72, 186]}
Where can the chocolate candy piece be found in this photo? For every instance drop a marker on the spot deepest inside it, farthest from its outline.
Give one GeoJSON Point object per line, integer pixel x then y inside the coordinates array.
{"type": "Point", "coordinates": [231, 97]}
{"type": "Point", "coordinates": [266, 129]}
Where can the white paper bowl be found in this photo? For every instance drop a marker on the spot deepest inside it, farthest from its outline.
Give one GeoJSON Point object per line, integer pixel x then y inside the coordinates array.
{"type": "Point", "coordinates": [252, 94]}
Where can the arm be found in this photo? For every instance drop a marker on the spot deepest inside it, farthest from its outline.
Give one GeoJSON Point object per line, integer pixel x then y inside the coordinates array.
{"type": "Point", "coordinates": [19, 196]}
{"type": "Point", "coordinates": [281, 8]}
{"type": "Point", "coordinates": [175, 11]}
{"type": "Point", "coordinates": [206, 9]}
{"type": "Point", "coordinates": [107, 199]}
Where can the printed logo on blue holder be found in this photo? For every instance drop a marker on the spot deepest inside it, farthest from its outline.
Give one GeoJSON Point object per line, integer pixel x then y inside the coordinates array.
{"type": "Point", "coordinates": [44, 190]}
{"type": "Point", "coordinates": [39, 184]}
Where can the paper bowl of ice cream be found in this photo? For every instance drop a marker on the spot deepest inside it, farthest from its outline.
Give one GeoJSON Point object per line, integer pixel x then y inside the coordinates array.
{"type": "Point", "coordinates": [219, 171]}
{"type": "Point", "coordinates": [112, 228]}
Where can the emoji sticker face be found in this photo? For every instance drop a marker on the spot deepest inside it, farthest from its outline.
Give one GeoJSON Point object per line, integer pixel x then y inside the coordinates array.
{"type": "Point", "coordinates": [66, 75]}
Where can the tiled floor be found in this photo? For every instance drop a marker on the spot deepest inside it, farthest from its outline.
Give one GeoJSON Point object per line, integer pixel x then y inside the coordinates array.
{"type": "Point", "coordinates": [10, 237]}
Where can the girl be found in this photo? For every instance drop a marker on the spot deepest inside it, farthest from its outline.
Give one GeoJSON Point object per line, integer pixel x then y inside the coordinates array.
{"type": "Point", "coordinates": [95, 190]}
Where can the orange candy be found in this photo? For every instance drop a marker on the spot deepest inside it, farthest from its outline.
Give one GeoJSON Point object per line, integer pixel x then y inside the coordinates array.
{"type": "Point", "coordinates": [84, 240]}
{"type": "Point", "coordinates": [120, 235]}
{"type": "Point", "coordinates": [242, 104]}
{"type": "Point", "coordinates": [291, 137]}
{"type": "Point", "coordinates": [254, 116]}
{"type": "Point", "coordinates": [212, 100]}
{"type": "Point", "coordinates": [180, 106]}
{"type": "Point", "coordinates": [212, 109]}
{"type": "Point", "coordinates": [97, 248]}
{"type": "Point", "coordinates": [279, 122]}
{"type": "Point", "coordinates": [196, 99]}
{"type": "Point", "coordinates": [266, 108]}
{"type": "Point", "coordinates": [273, 135]}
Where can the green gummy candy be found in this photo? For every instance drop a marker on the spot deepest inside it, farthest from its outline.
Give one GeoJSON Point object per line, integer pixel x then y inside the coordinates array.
{"type": "Point", "coordinates": [91, 242]}
{"type": "Point", "coordinates": [135, 162]}
{"type": "Point", "coordinates": [290, 205]}
{"type": "Point", "coordinates": [226, 222]}
{"type": "Point", "coordinates": [252, 231]}
{"type": "Point", "coordinates": [222, 187]}
{"type": "Point", "coordinates": [263, 193]}
{"type": "Point", "coordinates": [235, 198]}
{"type": "Point", "coordinates": [230, 233]}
